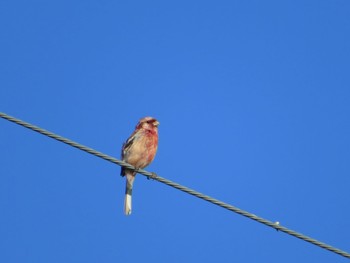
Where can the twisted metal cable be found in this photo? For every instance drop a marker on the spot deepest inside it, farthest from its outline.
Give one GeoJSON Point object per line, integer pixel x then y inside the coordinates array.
{"type": "Point", "coordinates": [207, 198]}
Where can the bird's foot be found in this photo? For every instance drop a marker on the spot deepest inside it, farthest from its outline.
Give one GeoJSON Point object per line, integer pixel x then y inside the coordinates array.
{"type": "Point", "coordinates": [152, 176]}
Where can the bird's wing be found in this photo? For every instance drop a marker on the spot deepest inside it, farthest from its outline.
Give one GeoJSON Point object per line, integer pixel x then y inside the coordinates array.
{"type": "Point", "coordinates": [125, 150]}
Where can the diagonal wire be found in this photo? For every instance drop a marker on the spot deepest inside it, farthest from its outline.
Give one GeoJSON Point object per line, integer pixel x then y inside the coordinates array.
{"type": "Point", "coordinates": [217, 202]}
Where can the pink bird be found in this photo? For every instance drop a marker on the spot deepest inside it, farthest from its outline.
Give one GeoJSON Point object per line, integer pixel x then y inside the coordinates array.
{"type": "Point", "coordinates": [139, 151]}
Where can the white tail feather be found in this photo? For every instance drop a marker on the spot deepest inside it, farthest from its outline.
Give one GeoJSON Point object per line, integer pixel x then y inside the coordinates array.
{"type": "Point", "coordinates": [127, 204]}
{"type": "Point", "coordinates": [130, 177]}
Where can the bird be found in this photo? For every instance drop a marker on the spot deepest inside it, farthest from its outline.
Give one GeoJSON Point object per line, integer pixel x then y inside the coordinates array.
{"type": "Point", "coordinates": [139, 150]}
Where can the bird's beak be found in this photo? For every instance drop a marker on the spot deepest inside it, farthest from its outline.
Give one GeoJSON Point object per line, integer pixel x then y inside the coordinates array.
{"type": "Point", "coordinates": [156, 123]}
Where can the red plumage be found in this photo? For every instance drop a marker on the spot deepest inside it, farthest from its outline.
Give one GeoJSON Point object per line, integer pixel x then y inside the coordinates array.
{"type": "Point", "coordinates": [139, 150]}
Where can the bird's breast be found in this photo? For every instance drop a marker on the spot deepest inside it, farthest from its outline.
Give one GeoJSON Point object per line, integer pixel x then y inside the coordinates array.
{"type": "Point", "coordinates": [142, 151]}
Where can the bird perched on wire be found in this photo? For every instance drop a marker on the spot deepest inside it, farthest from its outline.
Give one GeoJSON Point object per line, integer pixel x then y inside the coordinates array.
{"type": "Point", "coordinates": [139, 151]}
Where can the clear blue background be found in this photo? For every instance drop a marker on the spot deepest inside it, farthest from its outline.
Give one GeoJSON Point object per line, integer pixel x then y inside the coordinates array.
{"type": "Point", "coordinates": [253, 98]}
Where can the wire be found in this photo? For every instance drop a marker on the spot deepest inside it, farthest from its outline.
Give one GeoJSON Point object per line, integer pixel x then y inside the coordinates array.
{"type": "Point", "coordinates": [217, 202]}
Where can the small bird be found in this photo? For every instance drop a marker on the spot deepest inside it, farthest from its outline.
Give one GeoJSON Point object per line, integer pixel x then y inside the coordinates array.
{"type": "Point", "coordinates": [139, 151]}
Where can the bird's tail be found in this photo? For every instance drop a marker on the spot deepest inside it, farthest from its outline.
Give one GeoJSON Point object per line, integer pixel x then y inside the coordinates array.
{"type": "Point", "coordinates": [128, 193]}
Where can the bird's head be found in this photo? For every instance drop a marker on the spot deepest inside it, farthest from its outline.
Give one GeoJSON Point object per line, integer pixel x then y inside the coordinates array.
{"type": "Point", "coordinates": [148, 123]}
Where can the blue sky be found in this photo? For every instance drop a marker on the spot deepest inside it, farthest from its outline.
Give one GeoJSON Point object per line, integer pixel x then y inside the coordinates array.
{"type": "Point", "coordinates": [253, 103]}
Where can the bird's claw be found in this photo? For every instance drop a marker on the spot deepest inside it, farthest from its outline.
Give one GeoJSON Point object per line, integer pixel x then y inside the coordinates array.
{"type": "Point", "coordinates": [152, 176]}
